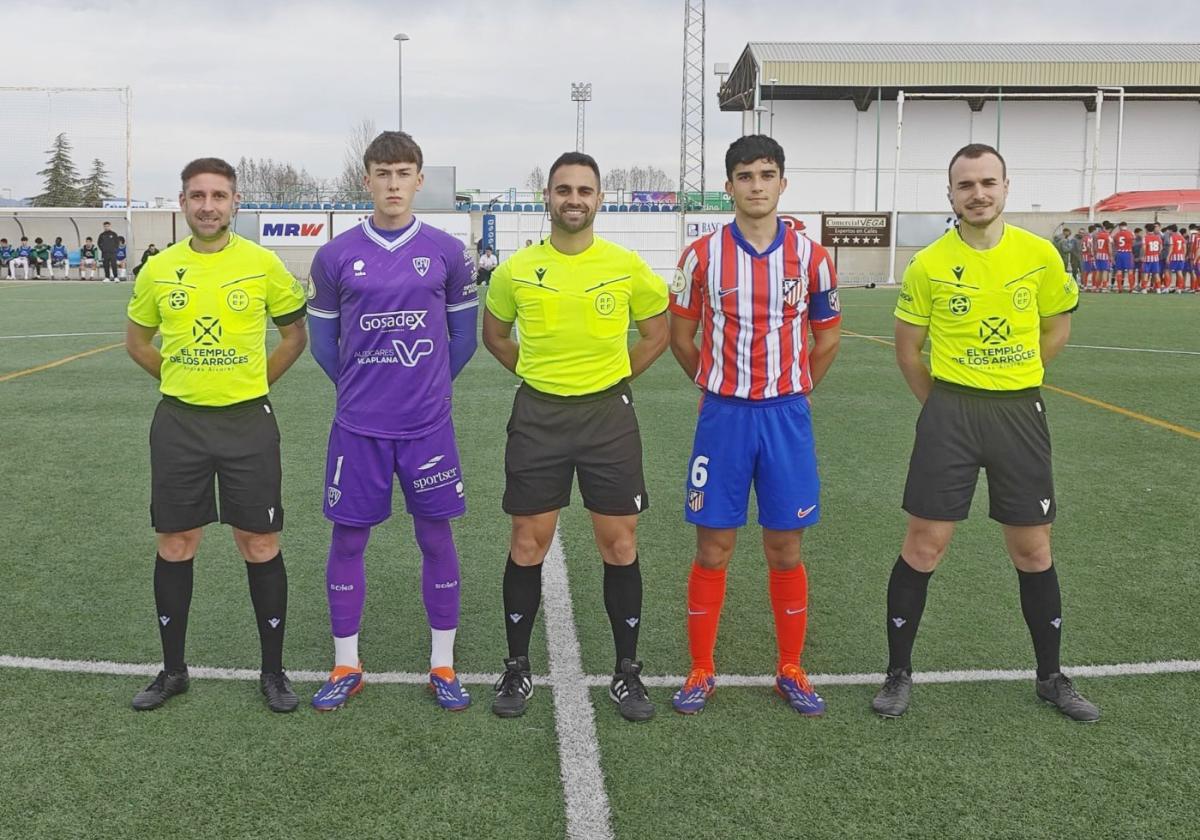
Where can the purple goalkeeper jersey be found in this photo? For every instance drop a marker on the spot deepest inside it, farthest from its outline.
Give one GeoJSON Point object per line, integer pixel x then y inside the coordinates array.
{"type": "Point", "coordinates": [392, 296]}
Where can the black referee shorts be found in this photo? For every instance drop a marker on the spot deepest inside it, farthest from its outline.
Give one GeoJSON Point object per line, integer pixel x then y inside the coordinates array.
{"type": "Point", "coordinates": [962, 429]}
{"type": "Point", "coordinates": [238, 445]}
{"type": "Point", "coordinates": [550, 438]}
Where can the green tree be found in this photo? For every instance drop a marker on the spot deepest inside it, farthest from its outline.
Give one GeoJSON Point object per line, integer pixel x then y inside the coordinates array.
{"type": "Point", "coordinates": [61, 188]}
{"type": "Point", "coordinates": [95, 187]}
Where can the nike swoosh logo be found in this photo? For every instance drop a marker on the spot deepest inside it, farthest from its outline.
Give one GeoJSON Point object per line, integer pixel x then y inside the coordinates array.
{"type": "Point", "coordinates": [803, 512]}
{"type": "Point", "coordinates": [723, 292]}
{"type": "Point", "coordinates": [697, 612]}
{"type": "Point", "coordinates": [795, 612]}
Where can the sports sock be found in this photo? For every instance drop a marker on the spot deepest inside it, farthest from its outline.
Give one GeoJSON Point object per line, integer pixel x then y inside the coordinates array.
{"type": "Point", "coordinates": [346, 589]}
{"type": "Point", "coordinates": [268, 593]}
{"type": "Point", "coordinates": [522, 595]}
{"type": "Point", "coordinates": [789, 602]}
{"type": "Point", "coordinates": [906, 593]}
{"type": "Point", "coordinates": [705, 597]}
{"type": "Point", "coordinates": [1041, 604]}
{"type": "Point", "coordinates": [623, 603]}
{"type": "Point", "coordinates": [439, 572]}
{"type": "Point", "coordinates": [345, 651]}
{"type": "Point", "coordinates": [439, 587]}
{"type": "Point", "coordinates": [172, 599]}
{"type": "Point", "coordinates": [441, 649]}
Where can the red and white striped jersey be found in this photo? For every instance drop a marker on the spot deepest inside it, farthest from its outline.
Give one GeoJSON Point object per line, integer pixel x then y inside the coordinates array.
{"type": "Point", "coordinates": [1102, 245]}
{"type": "Point", "coordinates": [1177, 243]}
{"type": "Point", "coordinates": [1194, 245]}
{"type": "Point", "coordinates": [755, 310]}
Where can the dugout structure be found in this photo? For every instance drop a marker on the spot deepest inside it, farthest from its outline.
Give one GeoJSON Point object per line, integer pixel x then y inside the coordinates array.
{"type": "Point", "coordinates": [1073, 120]}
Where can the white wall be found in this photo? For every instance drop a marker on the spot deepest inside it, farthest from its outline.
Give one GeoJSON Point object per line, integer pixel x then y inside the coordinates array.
{"type": "Point", "coordinates": [831, 150]}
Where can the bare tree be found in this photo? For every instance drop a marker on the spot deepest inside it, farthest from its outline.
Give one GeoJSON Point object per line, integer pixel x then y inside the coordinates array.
{"type": "Point", "coordinates": [649, 178]}
{"type": "Point", "coordinates": [536, 180]}
{"type": "Point", "coordinates": [616, 179]}
{"type": "Point", "coordinates": [274, 181]}
{"type": "Point", "coordinates": [349, 184]}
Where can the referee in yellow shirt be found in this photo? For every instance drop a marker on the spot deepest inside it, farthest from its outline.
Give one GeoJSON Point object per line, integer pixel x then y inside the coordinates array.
{"type": "Point", "coordinates": [996, 304]}
{"type": "Point", "coordinates": [210, 296]}
{"type": "Point", "coordinates": [571, 298]}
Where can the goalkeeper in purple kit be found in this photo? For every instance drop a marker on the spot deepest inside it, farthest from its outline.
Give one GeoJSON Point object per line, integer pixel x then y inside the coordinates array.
{"type": "Point", "coordinates": [394, 306]}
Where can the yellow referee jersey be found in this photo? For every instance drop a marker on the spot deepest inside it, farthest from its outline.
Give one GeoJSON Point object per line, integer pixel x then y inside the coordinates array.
{"type": "Point", "coordinates": [573, 313]}
{"type": "Point", "coordinates": [984, 308]}
{"type": "Point", "coordinates": [212, 312]}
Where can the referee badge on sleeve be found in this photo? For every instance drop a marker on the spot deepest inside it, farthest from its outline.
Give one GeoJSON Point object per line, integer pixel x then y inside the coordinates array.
{"type": "Point", "coordinates": [695, 500]}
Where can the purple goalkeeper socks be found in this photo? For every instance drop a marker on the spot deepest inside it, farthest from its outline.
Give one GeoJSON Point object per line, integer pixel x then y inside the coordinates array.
{"type": "Point", "coordinates": [439, 572]}
{"type": "Point", "coordinates": [346, 578]}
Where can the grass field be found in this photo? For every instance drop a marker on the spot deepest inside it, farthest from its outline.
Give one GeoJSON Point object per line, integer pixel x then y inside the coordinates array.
{"type": "Point", "coordinates": [976, 758]}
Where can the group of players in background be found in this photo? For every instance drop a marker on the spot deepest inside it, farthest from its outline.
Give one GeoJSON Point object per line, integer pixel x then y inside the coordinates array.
{"type": "Point", "coordinates": [393, 306]}
{"type": "Point", "coordinates": [1157, 259]}
{"type": "Point", "coordinates": [108, 253]}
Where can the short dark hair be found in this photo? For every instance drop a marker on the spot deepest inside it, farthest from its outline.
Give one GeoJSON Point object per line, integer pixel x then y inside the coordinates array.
{"type": "Point", "coordinates": [87, 239]}
{"type": "Point", "coordinates": [393, 147]}
{"type": "Point", "coordinates": [977, 150]}
{"type": "Point", "coordinates": [573, 159]}
{"type": "Point", "coordinates": [108, 224]}
{"type": "Point", "coordinates": [1137, 230]}
{"type": "Point", "coordinates": [750, 148]}
{"type": "Point", "coordinates": [38, 240]}
{"type": "Point", "coordinates": [208, 166]}
{"type": "Point", "coordinates": [1107, 224]}
{"type": "Point", "coordinates": [1122, 224]}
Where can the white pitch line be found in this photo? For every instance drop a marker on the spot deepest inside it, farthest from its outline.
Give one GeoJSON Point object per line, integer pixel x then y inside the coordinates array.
{"type": "Point", "coordinates": [1135, 349]}
{"type": "Point", "coordinates": [1073, 346]}
{"type": "Point", "coordinates": [588, 814]}
{"type": "Point", "coordinates": [128, 669]}
{"type": "Point", "coordinates": [60, 335]}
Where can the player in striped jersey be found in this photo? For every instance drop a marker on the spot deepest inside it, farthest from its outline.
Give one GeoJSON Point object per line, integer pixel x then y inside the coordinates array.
{"type": "Point", "coordinates": [757, 287]}
{"type": "Point", "coordinates": [1193, 269]}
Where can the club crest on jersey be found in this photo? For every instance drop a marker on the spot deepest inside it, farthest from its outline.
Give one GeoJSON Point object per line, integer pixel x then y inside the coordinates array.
{"type": "Point", "coordinates": [793, 291]}
{"type": "Point", "coordinates": [333, 496]}
{"type": "Point", "coordinates": [421, 264]}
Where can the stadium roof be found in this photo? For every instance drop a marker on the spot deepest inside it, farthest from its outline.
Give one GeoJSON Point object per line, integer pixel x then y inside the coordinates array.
{"type": "Point", "coordinates": [863, 71]}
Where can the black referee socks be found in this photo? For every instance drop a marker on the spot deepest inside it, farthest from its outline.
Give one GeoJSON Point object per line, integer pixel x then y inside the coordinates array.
{"type": "Point", "coordinates": [172, 599]}
{"type": "Point", "coordinates": [623, 602]}
{"type": "Point", "coordinates": [268, 592]}
{"type": "Point", "coordinates": [1041, 604]}
{"type": "Point", "coordinates": [522, 595]}
{"type": "Point", "coordinates": [905, 605]}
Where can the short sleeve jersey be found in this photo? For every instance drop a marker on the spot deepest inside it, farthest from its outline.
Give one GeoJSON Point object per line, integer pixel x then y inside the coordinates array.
{"type": "Point", "coordinates": [1178, 246]}
{"type": "Point", "coordinates": [573, 312]}
{"type": "Point", "coordinates": [1152, 247]}
{"type": "Point", "coordinates": [1123, 241]}
{"type": "Point", "coordinates": [756, 310]}
{"type": "Point", "coordinates": [212, 311]}
{"type": "Point", "coordinates": [984, 308]}
{"type": "Point", "coordinates": [391, 297]}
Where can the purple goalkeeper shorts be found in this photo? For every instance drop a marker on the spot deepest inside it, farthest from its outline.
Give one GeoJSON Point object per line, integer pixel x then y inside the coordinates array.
{"type": "Point", "coordinates": [359, 470]}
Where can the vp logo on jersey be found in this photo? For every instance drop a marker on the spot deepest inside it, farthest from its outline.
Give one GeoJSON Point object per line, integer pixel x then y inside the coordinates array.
{"type": "Point", "coordinates": [410, 356]}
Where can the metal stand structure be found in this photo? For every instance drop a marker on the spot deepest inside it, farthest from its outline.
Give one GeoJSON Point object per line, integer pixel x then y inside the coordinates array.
{"type": "Point", "coordinates": [691, 128]}
{"type": "Point", "coordinates": [581, 93]}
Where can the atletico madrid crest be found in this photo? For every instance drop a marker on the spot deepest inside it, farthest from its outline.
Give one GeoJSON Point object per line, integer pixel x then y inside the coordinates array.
{"type": "Point", "coordinates": [695, 500]}
{"type": "Point", "coordinates": [793, 291]}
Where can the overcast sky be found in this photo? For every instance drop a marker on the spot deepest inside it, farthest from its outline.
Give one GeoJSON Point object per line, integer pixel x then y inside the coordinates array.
{"type": "Point", "coordinates": [486, 85]}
